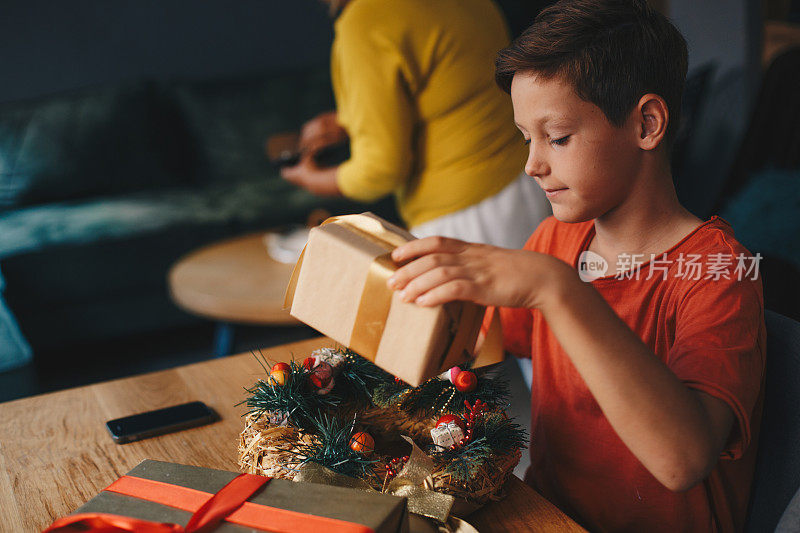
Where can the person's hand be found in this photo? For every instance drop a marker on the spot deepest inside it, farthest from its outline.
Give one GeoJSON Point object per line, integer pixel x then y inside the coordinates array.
{"type": "Point", "coordinates": [319, 132]}
{"type": "Point", "coordinates": [438, 270]}
{"type": "Point", "coordinates": [322, 130]}
{"type": "Point", "coordinates": [306, 174]}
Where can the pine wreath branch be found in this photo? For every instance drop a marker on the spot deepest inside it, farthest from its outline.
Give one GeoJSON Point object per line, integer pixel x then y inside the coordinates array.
{"type": "Point", "coordinates": [331, 449]}
{"type": "Point", "coordinates": [295, 397]}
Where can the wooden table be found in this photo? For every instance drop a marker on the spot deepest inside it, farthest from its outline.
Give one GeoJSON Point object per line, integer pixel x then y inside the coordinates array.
{"type": "Point", "coordinates": [55, 452]}
{"type": "Point", "coordinates": [232, 282]}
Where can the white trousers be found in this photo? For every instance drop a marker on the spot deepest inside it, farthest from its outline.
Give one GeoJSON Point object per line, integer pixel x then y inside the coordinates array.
{"type": "Point", "coordinates": [506, 219]}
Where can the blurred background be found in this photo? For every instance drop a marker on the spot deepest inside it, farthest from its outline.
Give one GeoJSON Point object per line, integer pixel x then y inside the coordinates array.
{"type": "Point", "coordinates": [132, 133]}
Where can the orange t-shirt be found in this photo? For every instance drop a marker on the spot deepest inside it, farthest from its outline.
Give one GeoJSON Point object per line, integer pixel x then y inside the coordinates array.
{"type": "Point", "coordinates": [709, 332]}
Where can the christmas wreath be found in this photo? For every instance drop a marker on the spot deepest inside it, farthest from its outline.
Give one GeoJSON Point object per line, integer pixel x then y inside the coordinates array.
{"type": "Point", "coordinates": [339, 411]}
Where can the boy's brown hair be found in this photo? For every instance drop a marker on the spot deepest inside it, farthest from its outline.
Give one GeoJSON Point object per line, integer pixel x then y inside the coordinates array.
{"type": "Point", "coordinates": [611, 51]}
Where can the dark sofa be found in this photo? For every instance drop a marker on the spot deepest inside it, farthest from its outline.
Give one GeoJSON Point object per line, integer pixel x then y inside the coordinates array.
{"type": "Point", "coordinates": [102, 189]}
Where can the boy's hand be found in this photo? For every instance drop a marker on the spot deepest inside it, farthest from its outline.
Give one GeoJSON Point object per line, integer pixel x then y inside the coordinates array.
{"type": "Point", "coordinates": [438, 270]}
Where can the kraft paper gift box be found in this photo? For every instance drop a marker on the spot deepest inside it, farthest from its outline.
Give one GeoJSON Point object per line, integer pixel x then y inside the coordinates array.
{"type": "Point", "coordinates": [300, 506]}
{"type": "Point", "coordinates": [339, 288]}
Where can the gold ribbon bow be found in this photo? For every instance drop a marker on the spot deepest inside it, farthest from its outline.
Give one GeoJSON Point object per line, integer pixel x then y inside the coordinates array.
{"type": "Point", "coordinates": [411, 482]}
{"type": "Point", "coordinates": [414, 481]}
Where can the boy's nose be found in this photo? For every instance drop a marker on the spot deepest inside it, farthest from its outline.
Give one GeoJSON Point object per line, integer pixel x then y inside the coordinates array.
{"type": "Point", "coordinates": [535, 165]}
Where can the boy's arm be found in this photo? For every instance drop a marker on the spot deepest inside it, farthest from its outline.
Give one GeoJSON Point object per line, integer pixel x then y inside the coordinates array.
{"type": "Point", "coordinates": [677, 433]}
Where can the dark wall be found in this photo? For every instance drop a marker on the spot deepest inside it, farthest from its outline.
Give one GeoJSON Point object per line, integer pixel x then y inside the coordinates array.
{"type": "Point", "coordinates": [50, 46]}
{"type": "Point", "coordinates": [47, 46]}
{"type": "Point", "coordinates": [727, 35]}
{"type": "Point", "coordinates": [521, 13]}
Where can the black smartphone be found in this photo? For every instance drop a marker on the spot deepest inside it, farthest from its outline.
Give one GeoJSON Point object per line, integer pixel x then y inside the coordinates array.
{"type": "Point", "coordinates": [333, 154]}
{"type": "Point", "coordinates": [160, 421]}
{"type": "Point", "coordinates": [327, 156]}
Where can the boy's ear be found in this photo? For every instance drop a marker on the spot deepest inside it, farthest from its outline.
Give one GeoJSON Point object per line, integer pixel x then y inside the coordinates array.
{"type": "Point", "coordinates": [652, 116]}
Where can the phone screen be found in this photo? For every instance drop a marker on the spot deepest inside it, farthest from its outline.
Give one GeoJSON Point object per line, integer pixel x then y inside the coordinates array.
{"type": "Point", "coordinates": [160, 421]}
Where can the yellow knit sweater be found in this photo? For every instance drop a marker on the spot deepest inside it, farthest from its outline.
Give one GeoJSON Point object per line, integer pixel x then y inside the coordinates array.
{"type": "Point", "coordinates": [414, 87]}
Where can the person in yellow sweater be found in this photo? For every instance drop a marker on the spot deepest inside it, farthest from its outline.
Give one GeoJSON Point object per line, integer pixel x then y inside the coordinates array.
{"type": "Point", "coordinates": [415, 92]}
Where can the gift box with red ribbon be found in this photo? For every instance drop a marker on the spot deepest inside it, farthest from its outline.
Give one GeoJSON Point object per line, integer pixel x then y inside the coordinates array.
{"type": "Point", "coordinates": [159, 497]}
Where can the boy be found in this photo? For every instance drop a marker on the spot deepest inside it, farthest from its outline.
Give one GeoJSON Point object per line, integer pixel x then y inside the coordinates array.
{"type": "Point", "coordinates": [646, 393]}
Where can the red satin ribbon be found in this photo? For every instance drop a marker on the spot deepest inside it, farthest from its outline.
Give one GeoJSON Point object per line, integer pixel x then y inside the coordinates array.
{"type": "Point", "coordinates": [209, 510]}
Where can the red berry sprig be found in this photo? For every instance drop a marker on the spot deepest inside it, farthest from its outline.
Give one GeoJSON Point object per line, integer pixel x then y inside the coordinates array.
{"type": "Point", "coordinates": [475, 410]}
{"type": "Point", "coordinates": [395, 465]}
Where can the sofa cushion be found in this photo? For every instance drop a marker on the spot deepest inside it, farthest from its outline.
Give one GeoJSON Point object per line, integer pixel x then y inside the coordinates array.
{"type": "Point", "coordinates": [242, 206]}
{"type": "Point", "coordinates": [82, 144]}
{"type": "Point", "coordinates": [14, 349]}
{"type": "Point", "coordinates": [765, 214]}
{"type": "Point", "coordinates": [232, 119]}
{"type": "Point", "coordinates": [82, 271]}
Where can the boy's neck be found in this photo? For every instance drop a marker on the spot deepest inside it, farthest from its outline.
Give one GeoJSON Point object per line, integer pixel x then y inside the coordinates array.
{"type": "Point", "coordinates": [649, 221]}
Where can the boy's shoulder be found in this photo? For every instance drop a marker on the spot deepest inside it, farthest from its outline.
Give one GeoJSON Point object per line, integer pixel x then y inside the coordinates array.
{"type": "Point", "coordinates": [715, 235]}
{"type": "Point", "coordinates": [567, 238]}
{"type": "Point", "coordinates": [713, 247]}
{"type": "Point", "coordinates": [714, 262]}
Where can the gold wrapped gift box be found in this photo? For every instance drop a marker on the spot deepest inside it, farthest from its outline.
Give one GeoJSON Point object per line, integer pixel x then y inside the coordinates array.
{"type": "Point", "coordinates": [339, 288]}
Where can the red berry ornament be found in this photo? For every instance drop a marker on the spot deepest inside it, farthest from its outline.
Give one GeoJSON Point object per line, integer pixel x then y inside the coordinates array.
{"type": "Point", "coordinates": [453, 373]}
{"type": "Point", "coordinates": [309, 363]}
{"type": "Point", "coordinates": [466, 381]}
{"type": "Point", "coordinates": [321, 375]}
{"type": "Point", "coordinates": [281, 366]}
{"type": "Point", "coordinates": [447, 419]}
{"type": "Point", "coordinates": [278, 377]}
{"type": "Point", "coordinates": [362, 442]}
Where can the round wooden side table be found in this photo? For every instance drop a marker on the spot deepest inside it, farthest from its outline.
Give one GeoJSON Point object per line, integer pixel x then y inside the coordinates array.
{"type": "Point", "coordinates": [232, 282]}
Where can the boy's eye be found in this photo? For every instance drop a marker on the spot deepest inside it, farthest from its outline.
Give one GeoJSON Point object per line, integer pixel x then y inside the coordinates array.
{"type": "Point", "coordinates": [560, 141]}
{"type": "Point", "coordinates": [526, 141]}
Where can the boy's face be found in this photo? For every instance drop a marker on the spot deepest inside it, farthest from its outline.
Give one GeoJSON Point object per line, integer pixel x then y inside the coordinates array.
{"type": "Point", "coordinates": [584, 163]}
